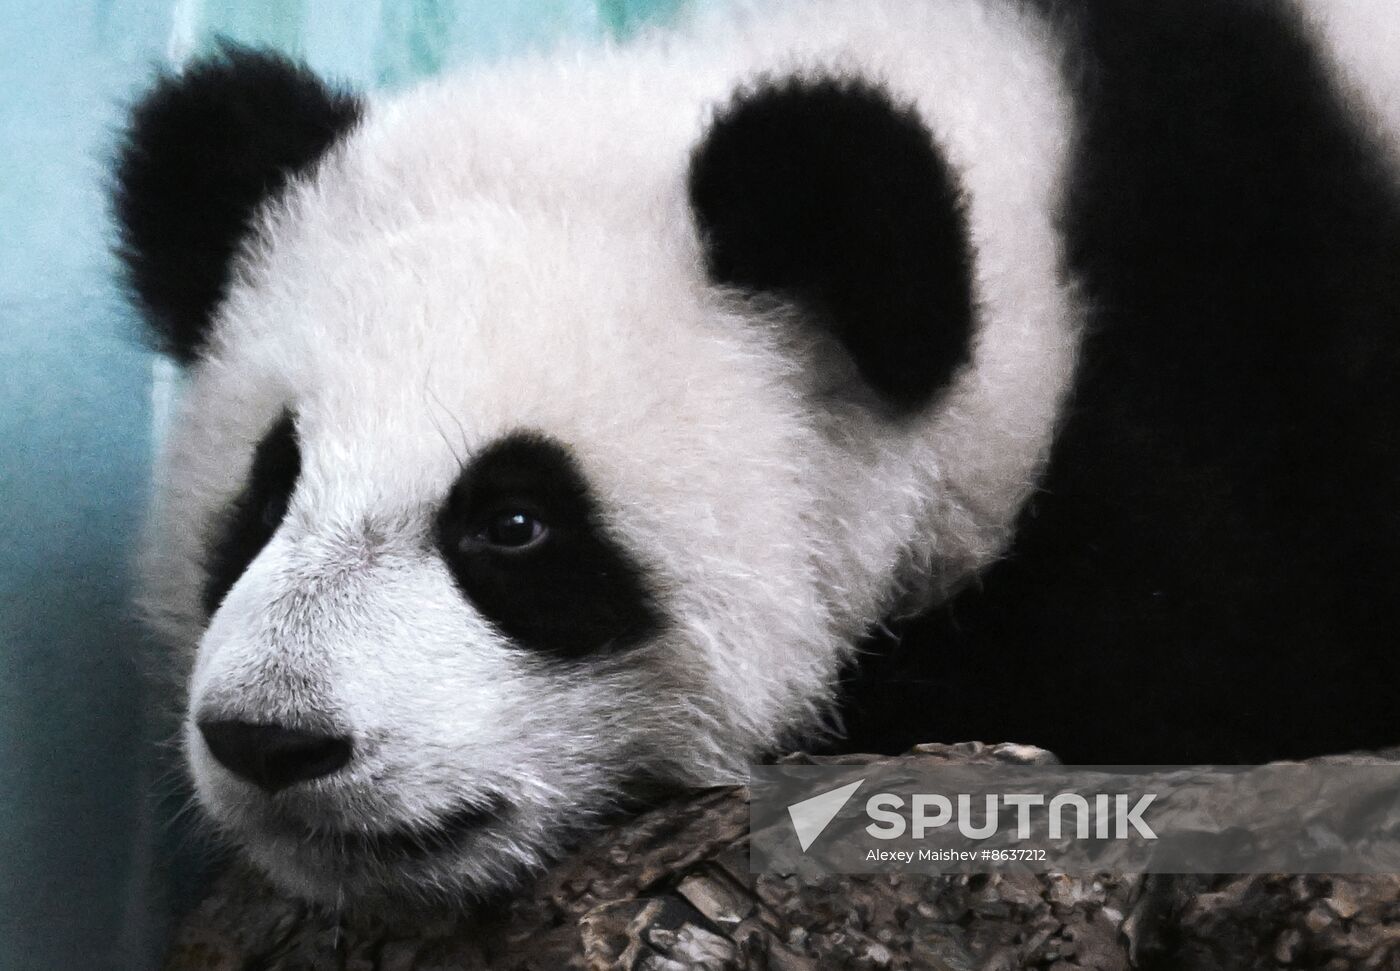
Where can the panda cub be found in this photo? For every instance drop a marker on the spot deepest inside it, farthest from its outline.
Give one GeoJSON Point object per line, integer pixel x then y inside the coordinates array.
{"type": "Point", "coordinates": [843, 373]}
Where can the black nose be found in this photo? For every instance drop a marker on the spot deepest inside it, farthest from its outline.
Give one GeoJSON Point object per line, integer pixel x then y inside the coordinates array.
{"type": "Point", "coordinates": [273, 756]}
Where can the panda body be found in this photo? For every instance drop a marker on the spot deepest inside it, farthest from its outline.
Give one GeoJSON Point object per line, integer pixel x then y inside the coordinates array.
{"type": "Point", "coordinates": [571, 423]}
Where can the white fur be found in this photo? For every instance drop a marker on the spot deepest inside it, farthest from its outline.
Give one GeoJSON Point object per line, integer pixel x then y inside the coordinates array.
{"type": "Point", "coordinates": [1361, 38]}
{"type": "Point", "coordinates": [513, 250]}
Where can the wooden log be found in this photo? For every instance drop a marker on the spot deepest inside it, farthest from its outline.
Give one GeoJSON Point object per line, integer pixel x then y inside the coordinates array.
{"type": "Point", "coordinates": [670, 890]}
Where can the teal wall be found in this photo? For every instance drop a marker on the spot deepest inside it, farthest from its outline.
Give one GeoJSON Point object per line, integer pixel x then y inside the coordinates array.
{"type": "Point", "coordinates": [85, 868]}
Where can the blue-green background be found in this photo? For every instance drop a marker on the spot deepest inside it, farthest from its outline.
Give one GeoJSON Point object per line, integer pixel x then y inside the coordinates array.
{"type": "Point", "coordinates": [85, 868]}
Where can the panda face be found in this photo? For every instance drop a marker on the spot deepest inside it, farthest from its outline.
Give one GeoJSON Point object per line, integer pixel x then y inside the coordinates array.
{"type": "Point", "coordinates": [488, 605]}
{"type": "Point", "coordinates": [524, 466]}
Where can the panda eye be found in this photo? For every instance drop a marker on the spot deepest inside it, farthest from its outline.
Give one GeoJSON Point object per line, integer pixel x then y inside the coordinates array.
{"type": "Point", "coordinates": [512, 529]}
{"type": "Point", "coordinates": [274, 510]}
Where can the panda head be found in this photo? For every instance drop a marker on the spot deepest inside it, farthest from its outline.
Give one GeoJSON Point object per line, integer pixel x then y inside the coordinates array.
{"type": "Point", "coordinates": [517, 468]}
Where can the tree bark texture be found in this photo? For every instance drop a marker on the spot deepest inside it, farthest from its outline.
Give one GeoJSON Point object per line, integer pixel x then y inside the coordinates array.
{"type": "Point", "coordinates": [670, 890]}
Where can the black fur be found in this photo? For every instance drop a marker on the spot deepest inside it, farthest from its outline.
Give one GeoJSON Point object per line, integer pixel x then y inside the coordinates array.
{"type": "Point", "coordinates": [257, 512]}
{"type": "Point", "coordinates": [827, 193]}
{"type": "Point", "coordinates": [1211, 571]}
{"type": "Point", "coordinates": [577, 592]}
{"type": "Point", "coordinates": [204, 149]}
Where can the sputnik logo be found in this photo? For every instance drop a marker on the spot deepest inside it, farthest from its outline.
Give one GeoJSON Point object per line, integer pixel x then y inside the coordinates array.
{"type": "Point", "coordinates": [811, 816]}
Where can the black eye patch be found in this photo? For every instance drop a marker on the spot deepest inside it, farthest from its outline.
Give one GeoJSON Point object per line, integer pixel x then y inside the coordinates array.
{"type": "Point", "coordinates": [256, 514]}
{"type": "Point", "coordinates": [521, 533]}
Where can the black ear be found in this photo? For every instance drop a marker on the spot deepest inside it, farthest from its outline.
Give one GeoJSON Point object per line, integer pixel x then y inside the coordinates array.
{"type": "Point", "coordinates": [204, 148]}
{"type": "Point", "coordinates": [827, 193]}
